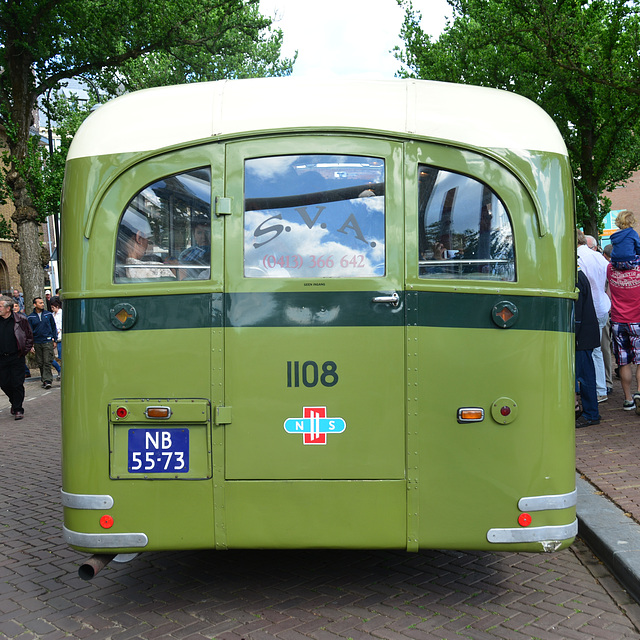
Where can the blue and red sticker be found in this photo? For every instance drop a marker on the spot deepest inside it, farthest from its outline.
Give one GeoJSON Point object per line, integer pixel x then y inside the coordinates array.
{"type": "Point", "coordinates": [314, 425]}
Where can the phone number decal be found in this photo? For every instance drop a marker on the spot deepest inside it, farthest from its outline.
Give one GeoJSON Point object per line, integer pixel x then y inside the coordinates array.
{"type": "Point", "coordinates": [296, 261]}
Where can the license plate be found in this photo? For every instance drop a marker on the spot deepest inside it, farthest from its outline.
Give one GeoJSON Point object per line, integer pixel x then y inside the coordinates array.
{"type": "Point", "coordinates": [158, 451]}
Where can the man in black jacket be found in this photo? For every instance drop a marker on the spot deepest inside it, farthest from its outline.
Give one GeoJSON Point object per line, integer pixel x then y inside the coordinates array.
{"type": "Point", "coordinates": [587, 339]}
{"type": "Point", "coordinates": [16, 340]}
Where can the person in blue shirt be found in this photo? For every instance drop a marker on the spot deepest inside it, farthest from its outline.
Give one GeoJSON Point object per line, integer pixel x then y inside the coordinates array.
{"type": "Point", "coordinates": [199, 253]}
{"type": "Point", "coordinates": [625, 253]}
{"type": "Point", "coordinates": [45, 334]}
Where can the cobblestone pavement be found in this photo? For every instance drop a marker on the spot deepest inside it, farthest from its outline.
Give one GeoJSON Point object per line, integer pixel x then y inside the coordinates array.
{"type": "Point", "coordinates": [291, 595]}
{"type": "Point", "coordinates": [608, 454]}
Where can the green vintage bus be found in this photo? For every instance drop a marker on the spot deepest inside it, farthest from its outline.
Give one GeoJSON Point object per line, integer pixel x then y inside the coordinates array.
{"type": "Point", "coordinates": [318, 314]}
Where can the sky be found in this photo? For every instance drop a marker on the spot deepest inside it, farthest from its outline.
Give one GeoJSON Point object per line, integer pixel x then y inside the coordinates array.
{"type": "Point", "coordinates": [347, 37]}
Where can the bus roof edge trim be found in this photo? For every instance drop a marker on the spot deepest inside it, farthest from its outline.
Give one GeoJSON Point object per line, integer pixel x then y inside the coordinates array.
{"type": "Point", "coordinates": [162, 117]}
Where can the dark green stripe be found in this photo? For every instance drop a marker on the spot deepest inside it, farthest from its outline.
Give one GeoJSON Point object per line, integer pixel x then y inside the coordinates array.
{"type": "Point", "coordinates": [317, 309]}
{"type": "Point", "coordinates": [474, 311]}
{"type": "Point", "coordinates": [313, 309]}
{"type": "Point", "coordinates": [153, 312]}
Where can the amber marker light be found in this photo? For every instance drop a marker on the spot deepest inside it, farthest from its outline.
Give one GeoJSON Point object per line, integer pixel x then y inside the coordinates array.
{"type": "Point", "coordinates": [470, 414]}
{"type": "Point", "coordinates": [121, 412]}
{"type": "Point", "coordinates": [158, 412]}
{"type": "Point", "coordinates": [524, 519]}
{"type": "Point", "coordinates": [106, 522]}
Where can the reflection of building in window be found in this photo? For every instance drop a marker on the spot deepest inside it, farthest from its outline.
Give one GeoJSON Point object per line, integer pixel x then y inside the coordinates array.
{"type": "Point", "coordinates": [165, 231]}
{"type": "Point", "coordinates": [464, 229]}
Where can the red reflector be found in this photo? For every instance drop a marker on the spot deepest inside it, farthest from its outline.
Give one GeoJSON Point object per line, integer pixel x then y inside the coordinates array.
{"type": "Point", "coordinates": [121, 412]}
{"type": "Point", "coordinates": [106, 522]}
{"type": "Point", "coordinates": [505, 411]}
{"type": "Point", "coordinates": [524, 519]}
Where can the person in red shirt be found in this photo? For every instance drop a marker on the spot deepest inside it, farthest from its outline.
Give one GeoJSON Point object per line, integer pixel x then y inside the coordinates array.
{"type": "Point", "coordinates": [624, 289]}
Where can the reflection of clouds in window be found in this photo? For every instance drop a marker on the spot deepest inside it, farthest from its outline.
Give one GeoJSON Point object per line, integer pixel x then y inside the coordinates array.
{"type": "Point", "coordinates": [374, 205]}
{"type": "Point", "coordinates": [268, 168]}
{"type": "Point", "coordinates": [293, 249]}
{"type": "Point", "coordinates": [314, 215]}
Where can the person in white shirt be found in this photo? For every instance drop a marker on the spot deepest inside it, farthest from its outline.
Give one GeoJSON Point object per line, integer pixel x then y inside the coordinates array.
{"type": "Point", "coordinates": [56, 310]}
{"type": "Point", "coordinates": [594, 265]}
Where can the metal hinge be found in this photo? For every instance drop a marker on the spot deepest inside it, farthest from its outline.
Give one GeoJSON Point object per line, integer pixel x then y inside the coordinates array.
{"type": "Point", "coordinates": [223, 206]}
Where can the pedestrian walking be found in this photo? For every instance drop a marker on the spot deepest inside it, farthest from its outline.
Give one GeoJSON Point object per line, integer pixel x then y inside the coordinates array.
{"type": "Point", "coordinates": [16, 340]}
{"type": "Point", "coordinates": [594, 266]}
{"type": "Point", "coordinates": [44, 330]}
{"type": "Point", "coordinates": [56, 310]}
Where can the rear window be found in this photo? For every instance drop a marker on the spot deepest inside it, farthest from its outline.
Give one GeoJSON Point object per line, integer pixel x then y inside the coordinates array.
{"type": "Point", "coordinates": [165, 231]}
{"type": "Point", "coordinates": [313, 216]}
{"type": "Point", "coordinates": [464, 228]}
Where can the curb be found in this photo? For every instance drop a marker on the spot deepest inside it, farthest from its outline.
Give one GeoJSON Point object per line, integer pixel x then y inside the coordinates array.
{"type": "Point", "coordinates": [613, 537]}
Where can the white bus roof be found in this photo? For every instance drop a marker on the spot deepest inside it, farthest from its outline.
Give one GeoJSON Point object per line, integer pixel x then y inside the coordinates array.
{"type": "Point", "coordinates": [165, 116]}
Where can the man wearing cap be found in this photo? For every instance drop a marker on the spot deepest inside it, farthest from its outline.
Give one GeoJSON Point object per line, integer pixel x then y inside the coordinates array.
{"type": "Point", "coordinates": [45, 333]}
{"type": "Point", "coordinates": [16, 341]}
{"type": "Point", "coordinates": [133, 241]}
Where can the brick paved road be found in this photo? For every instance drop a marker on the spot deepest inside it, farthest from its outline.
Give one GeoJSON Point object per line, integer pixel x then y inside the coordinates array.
{"type": "Point", "coordinates": [289, 595]}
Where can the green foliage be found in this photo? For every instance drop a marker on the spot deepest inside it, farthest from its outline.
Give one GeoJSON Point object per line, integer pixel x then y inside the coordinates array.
{"type": "Point", "coordinates": [113, 46]}
{"type": "Point", "coordinates": [244, 47]}
{"type": "Point", "coordinates": [577, 59]}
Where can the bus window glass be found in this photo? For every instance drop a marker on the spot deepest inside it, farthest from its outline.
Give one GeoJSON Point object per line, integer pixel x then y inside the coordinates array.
{"type": "Point", "coordinates": [165, 231]}
{"type": "Point", "coordinates": [314, 216]}
{"type": "Point", "coordinates": [464, 229]}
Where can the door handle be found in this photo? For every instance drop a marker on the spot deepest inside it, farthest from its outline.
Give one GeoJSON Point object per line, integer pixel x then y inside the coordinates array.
{"type": "Point", "coordinates": [393, 299]}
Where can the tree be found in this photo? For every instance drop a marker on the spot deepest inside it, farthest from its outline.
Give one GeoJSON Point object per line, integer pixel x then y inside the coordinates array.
{"type": "Point", "coordinates": [113, 45]}
{"type": "Point", "coordinates": [578, 59]}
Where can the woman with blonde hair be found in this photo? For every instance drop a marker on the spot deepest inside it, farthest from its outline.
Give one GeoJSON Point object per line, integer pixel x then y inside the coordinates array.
{"type": "Point", "coordinates": [625, 253]}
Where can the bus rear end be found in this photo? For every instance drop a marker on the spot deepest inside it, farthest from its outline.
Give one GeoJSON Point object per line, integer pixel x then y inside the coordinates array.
{"type": "Point", "coordinates": [318, 327]}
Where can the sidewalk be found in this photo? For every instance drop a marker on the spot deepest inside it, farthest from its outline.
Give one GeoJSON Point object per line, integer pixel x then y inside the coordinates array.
{"type": "Point", "coordinates": [608, 481]}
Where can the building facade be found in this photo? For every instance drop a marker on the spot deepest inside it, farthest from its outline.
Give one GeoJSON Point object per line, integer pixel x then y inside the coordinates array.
{"type": "Point", "coordinates": [9, 258]}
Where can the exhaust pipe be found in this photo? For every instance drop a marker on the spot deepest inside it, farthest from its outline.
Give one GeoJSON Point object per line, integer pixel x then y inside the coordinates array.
{"type": "Point", "coordinates": [91, 567]}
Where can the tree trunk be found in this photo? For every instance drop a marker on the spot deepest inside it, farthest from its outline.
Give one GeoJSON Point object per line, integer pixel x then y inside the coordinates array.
{"type": "Point", "coordinates": [25, 216]}
{"type": "Point", "coordinates": [590, 226]}
{"type": "Point", "coordinates": [26, 219]}
{"type": "Point", "coordinates": [592, 200]}
{"type": "Point", "coordinates": [31, 271]}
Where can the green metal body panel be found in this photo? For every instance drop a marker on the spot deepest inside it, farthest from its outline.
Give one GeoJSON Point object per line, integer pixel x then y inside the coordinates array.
{"type": "Point", "coordinates": [316, 514]}
{"type": "Point", "coordinates": [404, 473]}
